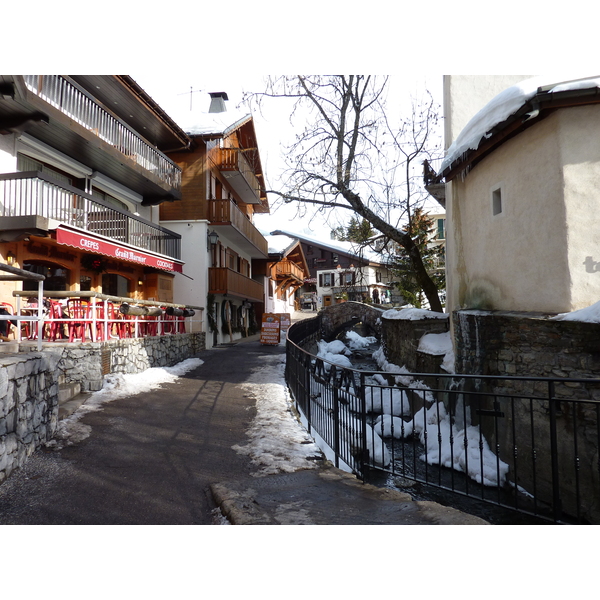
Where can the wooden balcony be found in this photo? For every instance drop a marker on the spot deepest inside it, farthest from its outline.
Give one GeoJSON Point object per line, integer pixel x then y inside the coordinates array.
{"type": "Point", "coordinates": [225, 281]}
{"type": "Point", "coordinates": [288, 269]}
{"type": "Point", "coordinates": [237, 170]}
{"type": "Point", "coordinates": [225, 213]}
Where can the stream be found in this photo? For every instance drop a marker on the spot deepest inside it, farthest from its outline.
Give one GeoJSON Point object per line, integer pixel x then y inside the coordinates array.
{"type": "Point", "coordinates": [405, 456]}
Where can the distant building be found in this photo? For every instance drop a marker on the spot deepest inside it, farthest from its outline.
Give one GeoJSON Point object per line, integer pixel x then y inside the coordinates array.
{"type": "Point", "coordinates": [339, 272]}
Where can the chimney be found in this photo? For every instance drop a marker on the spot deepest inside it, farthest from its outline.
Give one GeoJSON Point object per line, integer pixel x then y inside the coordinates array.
{"type": "Point", "coordinates": [217, 102]}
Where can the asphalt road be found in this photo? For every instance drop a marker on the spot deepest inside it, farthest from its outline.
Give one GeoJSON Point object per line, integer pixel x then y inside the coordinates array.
{"type": "Point", "coordinates": [150, 458]}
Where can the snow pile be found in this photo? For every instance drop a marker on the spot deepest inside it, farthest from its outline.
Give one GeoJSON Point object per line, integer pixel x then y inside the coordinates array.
{"type": "Point", "coordinates": [439, 344]}
{"type": "Point", "coordinates": [115, 386]}
{"type": "Point", "coordinates": [589, 314]}
{"type": "Point", "coordinates": [355, 341]}
{"type": "Point", "coordinates": [484, 467]}
{"type": "Point", "coordinates": [435, 343]}
{"type": "Point", "coordinates": [389, 401]}
{"type": "Point", "coordinates": [503, 106]}
{"type": "Point", "coordinates": [412, 314]}
{"type": "Point", "coordinates": [334, 352]}
{"type": "Point", "coordinates": [445, 446]}
{"type": "Point", "coordinates": [278, 442]}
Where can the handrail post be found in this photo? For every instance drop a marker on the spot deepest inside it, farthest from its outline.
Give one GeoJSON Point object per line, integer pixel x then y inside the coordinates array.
{"type": "Point", "coordinates": [556, 502]}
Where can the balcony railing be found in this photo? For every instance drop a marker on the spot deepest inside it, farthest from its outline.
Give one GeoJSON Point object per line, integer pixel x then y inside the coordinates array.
{"type": "Point", "coordinates": [225, 281]}
{"type": "Point", "coordinates": [232, 159]}
{"type": "Point", "coordinates": [34, 193]}
{"type": "Point", "coordinates": [287, 268]}
{"type": "Point", "coordinates": [82, 108]}
{"type": "Point", "coordinates": [225, 212]}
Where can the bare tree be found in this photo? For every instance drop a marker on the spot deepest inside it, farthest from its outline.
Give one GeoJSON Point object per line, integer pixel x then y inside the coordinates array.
{"type": "Point", "coordinates": [349, 155]}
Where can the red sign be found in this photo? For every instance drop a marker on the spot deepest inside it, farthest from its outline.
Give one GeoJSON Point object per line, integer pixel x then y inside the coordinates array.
{"type": "Point", "coordinates": [96, 245]}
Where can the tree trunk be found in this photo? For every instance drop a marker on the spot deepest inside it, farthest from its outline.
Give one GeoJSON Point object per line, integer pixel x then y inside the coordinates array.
{"type": "Point", "coordinates": [405, 240]}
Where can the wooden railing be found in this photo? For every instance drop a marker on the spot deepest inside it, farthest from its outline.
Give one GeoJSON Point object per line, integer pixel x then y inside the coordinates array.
{"type": "Point", "coordinates": [34, 193]}
{"type": "Point", "coordinates": [225, 212]}
{"type": "Point", "coordinates": [82, 108]}
{"type": "Point", "coordinates": [232, 159]}
{"type": "Point", "coordinates": [225, 281]}
{"type": "Point", "coordinates": [287, 268]}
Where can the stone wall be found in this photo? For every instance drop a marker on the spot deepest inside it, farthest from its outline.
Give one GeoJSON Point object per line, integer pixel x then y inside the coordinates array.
{"type": "Point", "coordinates": [400, 339]}
{"type": "Point", "coordinates": [28, 406]}
{"type": "Point", "coordinates": [29, 383]}
{"type": "Point", "coordinates": [88, 363]}
{"type": "Point", "coordinates": [531, 345]}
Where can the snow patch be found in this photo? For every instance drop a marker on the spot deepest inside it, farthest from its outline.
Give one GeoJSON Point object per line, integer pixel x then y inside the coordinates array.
{"type": "Point", "coordinates": [589, 314]}
{"type": "Point", "coordinates": [116, 385]}
{"type": "Point", "coordinates": [412, 314]}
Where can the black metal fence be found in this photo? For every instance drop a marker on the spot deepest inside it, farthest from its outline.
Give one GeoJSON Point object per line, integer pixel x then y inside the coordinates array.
{"type": "Point", "coordinates": [527, 444]}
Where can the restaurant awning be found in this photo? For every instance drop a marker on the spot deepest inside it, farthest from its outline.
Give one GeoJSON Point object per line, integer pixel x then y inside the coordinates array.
{"type": "Point", "coordinates": [97, 245]}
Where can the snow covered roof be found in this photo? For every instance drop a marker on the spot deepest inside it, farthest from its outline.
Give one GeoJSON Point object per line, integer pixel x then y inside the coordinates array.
{"type": "Point", "coordinates": [279, 243]}
{"type": "Point", "coordinates": [518, 102]}
{"type": "Point", "coordinates": [205, 123]}
{"type": "Point", "coordinates": [348, 248]}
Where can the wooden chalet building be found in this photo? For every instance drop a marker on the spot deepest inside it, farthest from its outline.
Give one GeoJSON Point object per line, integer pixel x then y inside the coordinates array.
{"type": "Point", "coordinates": [222, 189]}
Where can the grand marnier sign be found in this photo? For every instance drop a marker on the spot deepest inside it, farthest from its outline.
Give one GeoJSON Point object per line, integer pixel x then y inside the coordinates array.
{"type": "Point", "coordinates": [91, 244]}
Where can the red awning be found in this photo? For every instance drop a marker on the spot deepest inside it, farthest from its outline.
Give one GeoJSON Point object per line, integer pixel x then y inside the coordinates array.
{"type": "Point", "coordinates": [100, 246]}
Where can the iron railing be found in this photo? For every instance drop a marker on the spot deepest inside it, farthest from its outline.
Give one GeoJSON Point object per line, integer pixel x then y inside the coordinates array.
{"type": "Point", "coordinates": [35, 193]}
{"type": "Point", "coordinates": [526, 444]}
{"type": "Point", "coordinates": [77, 104]}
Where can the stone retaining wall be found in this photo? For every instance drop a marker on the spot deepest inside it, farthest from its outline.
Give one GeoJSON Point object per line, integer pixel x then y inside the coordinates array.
{"type": "Point", "coordinates": [531, 345]}
{"type": "Point", "coordinates": [29, 383]}
{"type": "Point", "coordinates": [28, 406]}
{"type": "Point", "coordinates": [401, 337]}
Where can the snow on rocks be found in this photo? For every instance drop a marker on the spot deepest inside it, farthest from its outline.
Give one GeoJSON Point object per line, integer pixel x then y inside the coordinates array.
{"type": "Point", "coordinates": [358, 342]}
{"type": "Point", "coordinates": [413, 314]}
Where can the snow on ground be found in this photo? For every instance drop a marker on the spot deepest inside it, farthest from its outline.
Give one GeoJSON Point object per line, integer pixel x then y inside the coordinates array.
{"type": "Point", "coordinates": [278, 442]}
{"type": "Point", "coordinates": [116, 385]}
{"type": "Point", "coordinates": [589, 314]}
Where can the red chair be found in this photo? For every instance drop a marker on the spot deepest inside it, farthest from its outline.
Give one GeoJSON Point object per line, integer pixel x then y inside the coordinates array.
{"type": "Point", "coordinates": [102, 332]}
{"type": "Point", "coordinates": [125, 326]}
{"type": "Point", "coordinates": [148, 325]}
{"type": "Point", "coordinates": [79, 319]}
{"type": "Point", "coordinates": [168, 324]}
{"type": "Point", "coordinates": [56, 325]}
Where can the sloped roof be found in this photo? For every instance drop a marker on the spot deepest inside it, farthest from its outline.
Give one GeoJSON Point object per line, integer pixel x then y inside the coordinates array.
{"type": "Point", "coordinates": [347, 248]}
{"type": "Point", "coordinates": [513, 110]}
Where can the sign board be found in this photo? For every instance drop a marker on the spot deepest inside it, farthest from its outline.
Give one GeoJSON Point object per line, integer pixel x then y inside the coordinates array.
{"type": "Point", "coordinates": [269, 331]}
{"type": "Point", "coordinates": [285, 321]}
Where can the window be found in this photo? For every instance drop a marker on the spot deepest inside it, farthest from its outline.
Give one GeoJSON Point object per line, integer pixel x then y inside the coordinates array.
{"type": "Point", "coordinates": [57, 278]}
{"type": "Point", "coordinates": [325, 279]}
{"type": "Point", "coordinates": [440, 229]}
{"type": "Point", "coordinates": [497, 201]}
{"type": "Point", "coordinates": [26, 163]}
{"type": "Point", "coordinates": [115, 285]}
